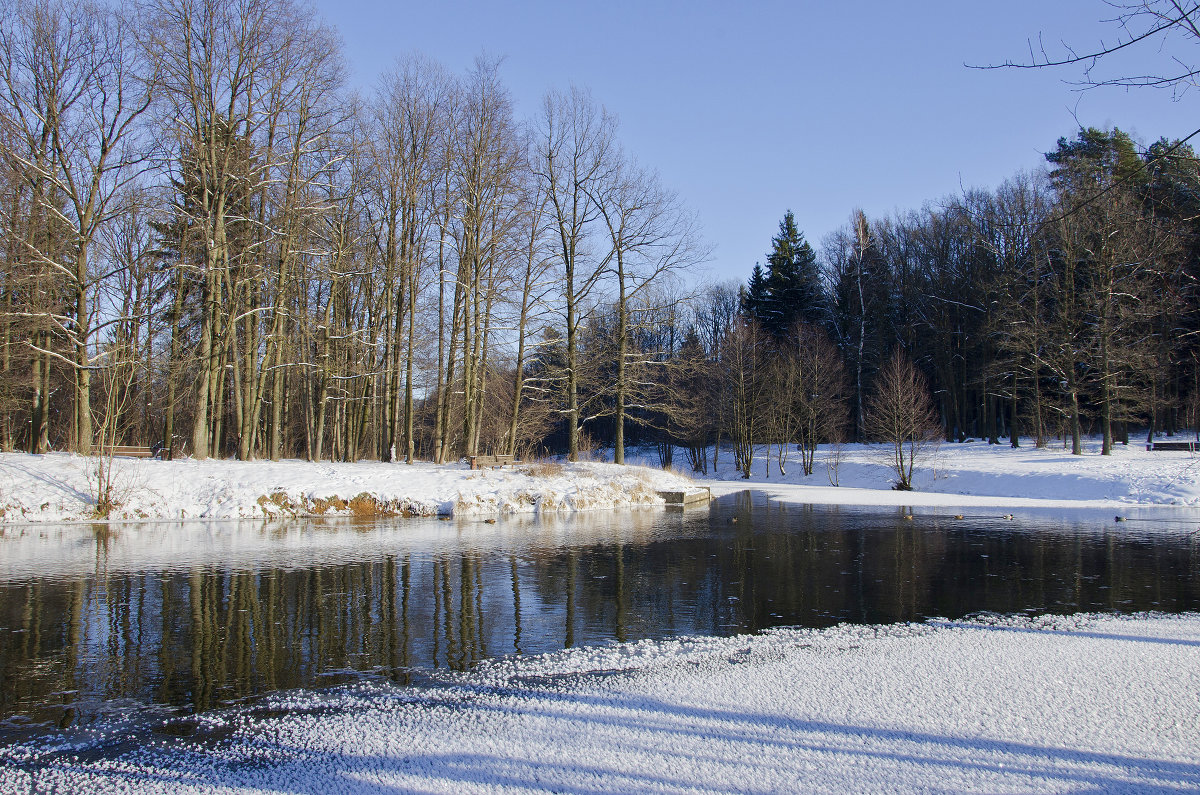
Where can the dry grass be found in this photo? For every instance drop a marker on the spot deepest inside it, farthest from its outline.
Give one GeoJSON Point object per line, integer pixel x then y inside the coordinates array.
{"type": "Point", "coordinates": [683, 473]}
{"type": "Point", "coordinates": [544, 469]}
{"type": "Point", "coordinates": [280, 500]}
{"type": "Point", "coordinates": [362, 506]}
{"type": "Point", "coordinates": [322, 505]}
{"type": "Point", "coordinates": [367, 506]}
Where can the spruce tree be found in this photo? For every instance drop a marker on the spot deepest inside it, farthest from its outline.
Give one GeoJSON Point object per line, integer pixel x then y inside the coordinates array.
{"type": "Point", "coordinates": [753, 299]}
{"type": "Point", "coordinates": [790, 288]}
{"type": "Point", "coordinates": [794, 281]}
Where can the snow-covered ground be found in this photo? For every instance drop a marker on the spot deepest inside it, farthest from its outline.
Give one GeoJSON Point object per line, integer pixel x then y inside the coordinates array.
{"type": "Point", "coordinates": [976, 474]}
{"type": "Point", "coordinates": [1051, 704]}
{"type": "Point", "coordinates": [62, 487]}
{"type": "Point", "coordinates": [59, 486]}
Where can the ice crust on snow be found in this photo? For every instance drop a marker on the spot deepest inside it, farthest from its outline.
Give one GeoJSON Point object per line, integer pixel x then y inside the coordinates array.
{"type": "Point", "coordinates": [1050, 704]}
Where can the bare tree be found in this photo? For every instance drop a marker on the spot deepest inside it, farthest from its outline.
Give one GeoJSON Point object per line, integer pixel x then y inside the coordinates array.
{"type": "Point", "coordinates": [743, 362]}
{"type": "Point", "coordinates": [715, 315]}
{"type": "Point", "coordinates": [488, 160]}
{"type": "Point", "coordinates": [1152, 27]}
{"type": "Point", "coordinates": [900, 414]}
{"type": "Point", "coordinates": [73, 92]}
{"type": "Point", "coordinates": [410, 113]}
{"type": "Point", "coordinates": [536, 284]}
{"type": "Point", "coordinates": [651, 238]}
{"type": "Point", "coordinates": [816, 398]}
{"type": "Point", "coordinates": [243, 87]}
{"type": "Point", "coordinates": [573, 158]}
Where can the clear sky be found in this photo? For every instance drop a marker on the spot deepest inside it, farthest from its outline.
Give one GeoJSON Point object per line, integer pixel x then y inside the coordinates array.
{"type": "Point", "coordinates": [748, 109]}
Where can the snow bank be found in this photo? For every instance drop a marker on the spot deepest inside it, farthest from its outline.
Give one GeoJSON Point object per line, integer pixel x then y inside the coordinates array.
{"type": "Point", "coordinates": [976, 474]}
{"type": "Point", "coordinates": [1052, 704]}
{"type": "Point", "coordinates": [59, 487]}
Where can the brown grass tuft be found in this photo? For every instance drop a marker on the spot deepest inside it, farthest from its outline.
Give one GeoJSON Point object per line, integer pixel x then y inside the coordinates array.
{"type": "Point", "coordinates": [322, 505]}
{"type": "Point", "coordinates": [367, 506]}
{"type": "Point", "coordinates": [544, 469]}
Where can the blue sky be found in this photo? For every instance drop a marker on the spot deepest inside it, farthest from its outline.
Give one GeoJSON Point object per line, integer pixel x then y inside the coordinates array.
{"type": "Point", "coordinates": [748, 109]}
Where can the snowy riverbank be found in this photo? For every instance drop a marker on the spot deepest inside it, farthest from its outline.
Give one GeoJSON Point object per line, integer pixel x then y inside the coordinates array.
{"type": "Point", "coordinates": [1050, 704]}
{"type": "Point", "coordinates": [976, 475]}
{"type": "Point", "coordinates": [58, 487]}
{"type": "Point", "coordinates": [61, 487]}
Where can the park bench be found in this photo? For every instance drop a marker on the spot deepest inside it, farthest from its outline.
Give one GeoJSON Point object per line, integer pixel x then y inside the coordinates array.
{"type": "Point", "coordinates": [492, 461]}
{"type": "Point", "coordinates": [1189, 447]}
{"type": "Point", "coordinates": [127, 451]}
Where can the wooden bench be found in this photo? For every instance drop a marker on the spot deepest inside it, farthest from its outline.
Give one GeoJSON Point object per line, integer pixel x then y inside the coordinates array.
{"type": "Point", "coordinates": [127, 451]}
{"type": "Point", "coordinates": [1189, 447]}
{"type": "Point", "coordinates": [492, 461]}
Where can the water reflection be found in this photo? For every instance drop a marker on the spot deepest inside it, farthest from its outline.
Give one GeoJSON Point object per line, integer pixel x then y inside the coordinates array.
{"type": "Point", "coordinates": [191, 617]}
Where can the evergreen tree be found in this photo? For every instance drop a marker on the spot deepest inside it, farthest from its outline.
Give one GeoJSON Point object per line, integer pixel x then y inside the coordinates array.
{"type": "Point", "coordinates": [1099, 157]}
{"type": "Point", "coordinates": [753, 298]}
{"type": "Point", "coordinates": [1173, 196]}
{"type": "Point", "coordinates": [790, 289]}
{"type": "Point", "coordinates": [794, 282]}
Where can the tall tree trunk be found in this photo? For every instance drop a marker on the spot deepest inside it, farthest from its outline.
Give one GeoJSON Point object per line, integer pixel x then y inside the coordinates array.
{"type": "Point", "coordinates": [323, 381]}
{"type": "Point", "coordinates": [200, 426]}
{"type": "Point", "coordinates": [83, 370]}
{"type": "Point", "coordinates": [572, 371]}
{"type": "Point", "coordinates": [409, 440]}
{"type": "Point", "coordinates": [1014, 438]}
{"type": "Point", "coordinates": [1076, 430]}
{"type": "Point", "coordinates": [457, 321]}
{"type": "Point", "coordinates": [622, 350]}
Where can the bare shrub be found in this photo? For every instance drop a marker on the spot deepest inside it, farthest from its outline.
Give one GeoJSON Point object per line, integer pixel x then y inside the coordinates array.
{"type": "Point", "coordinates": [833, 460]}
{"type": "Point", "coordinates": [586, 447]}
{"type": "Point", "coordinates": [900, 414]}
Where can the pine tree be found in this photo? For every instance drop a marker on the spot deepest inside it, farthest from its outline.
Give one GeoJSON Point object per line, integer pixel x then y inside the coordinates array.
{"type": "Point", "coordinates": [1096, 156]}
{"type": "Point", "coordinates": [753, 299]}
{"type": "Point", "coordinates": [794, 282]}
{"type": "Point", "coordinates": [790, 289]}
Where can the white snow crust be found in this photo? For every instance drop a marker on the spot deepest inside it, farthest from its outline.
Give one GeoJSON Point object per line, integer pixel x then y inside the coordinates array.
{"type": "Point", "coordinates": [1050, 704]}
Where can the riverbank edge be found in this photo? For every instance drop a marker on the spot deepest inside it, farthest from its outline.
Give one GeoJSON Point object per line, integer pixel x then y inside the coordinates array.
{"type": "Point", "coordinates": [63, 488]}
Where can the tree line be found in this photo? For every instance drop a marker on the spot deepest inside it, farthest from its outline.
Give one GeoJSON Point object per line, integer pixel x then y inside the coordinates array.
{"type": "Point", "coordinates": [211, 243]}
{"type": "Point", "coordinates": [1061, 304]}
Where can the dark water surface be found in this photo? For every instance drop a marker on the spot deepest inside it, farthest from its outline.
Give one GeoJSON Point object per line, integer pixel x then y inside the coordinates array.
{"type": "Point", "coordinates": [163, 620]}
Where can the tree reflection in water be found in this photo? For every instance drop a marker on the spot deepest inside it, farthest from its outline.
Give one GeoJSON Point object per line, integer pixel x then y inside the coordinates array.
{"type": "Point", "coordinates": [137, 616]}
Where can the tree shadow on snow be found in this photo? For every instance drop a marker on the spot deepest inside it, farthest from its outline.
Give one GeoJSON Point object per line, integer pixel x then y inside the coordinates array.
{"type": "Point", "coordinates": [685, 748]}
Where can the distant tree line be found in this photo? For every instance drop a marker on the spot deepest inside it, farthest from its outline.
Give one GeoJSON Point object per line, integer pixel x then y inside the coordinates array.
{"type": "Point", "coordinates": [1061, 304]}
{"type": "Point", "coordinates": [209, 241]}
